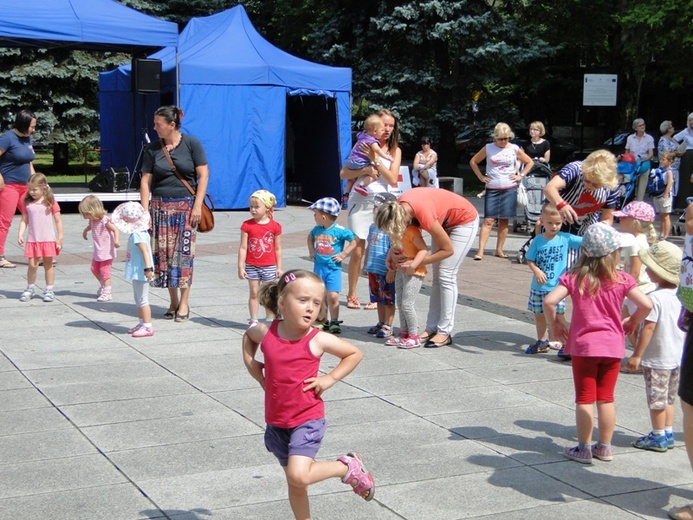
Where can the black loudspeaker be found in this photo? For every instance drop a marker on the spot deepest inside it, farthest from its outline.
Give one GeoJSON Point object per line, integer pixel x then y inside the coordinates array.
{"type": "Point", "coordinates": [115, 179]}
{"type": "Point", "coordinates": [146, 76]}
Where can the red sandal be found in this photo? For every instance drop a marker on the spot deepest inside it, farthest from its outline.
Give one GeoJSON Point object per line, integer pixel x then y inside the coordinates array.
{"type": "Point", "coordinates": [353, 302]}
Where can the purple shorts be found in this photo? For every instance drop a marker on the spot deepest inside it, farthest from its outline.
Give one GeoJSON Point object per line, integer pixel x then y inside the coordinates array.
{"type": "Point", "coordinates": [304, 440]}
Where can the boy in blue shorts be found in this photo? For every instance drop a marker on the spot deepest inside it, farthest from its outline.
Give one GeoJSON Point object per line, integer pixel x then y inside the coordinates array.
{"type": "Point", "coordinates": [547, 257]}
{"type": "Point", "coordinates": [326, 247]}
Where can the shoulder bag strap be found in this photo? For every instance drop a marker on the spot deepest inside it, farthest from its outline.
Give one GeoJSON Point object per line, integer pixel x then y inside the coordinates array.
{"type": "Point", "coordinates": [175, 170]}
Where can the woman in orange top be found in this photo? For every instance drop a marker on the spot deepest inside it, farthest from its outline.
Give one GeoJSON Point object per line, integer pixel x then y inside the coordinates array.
{"type": "Point", "coordinates": [452, 222]}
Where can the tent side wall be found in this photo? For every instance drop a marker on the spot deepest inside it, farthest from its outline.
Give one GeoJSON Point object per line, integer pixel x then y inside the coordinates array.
{"type": "Point", "coordinates": [242, 130]}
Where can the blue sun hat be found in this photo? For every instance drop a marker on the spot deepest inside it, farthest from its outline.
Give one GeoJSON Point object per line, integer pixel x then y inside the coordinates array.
{"type": "Point", "coordinates": [327, 205]}
{"type": "Point", "coordinates": [601, 239]}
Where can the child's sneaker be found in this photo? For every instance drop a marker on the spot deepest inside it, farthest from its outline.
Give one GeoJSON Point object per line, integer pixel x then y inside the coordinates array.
{"type": "Point", "coordinates": [411, 342]}
{"type": "Point", "coordinates": [602, 452]}
{"type": "Point", "coordinates": [358, 476]}
{"type": "Point", "coordinates": [384, 332]}
{"type": "Point", "coordinates": [334, 327]}
{"type": "Point", "coordinates": [539, 347]}
{"type": "Point", "coordinates": [48, 296]}
{"type": "Point", "coordinates": [578, 455]}
{"type": "Point", "coordinates": [252, 322]}
{"type": "Point", "coordinates": [375, 328]}
{"type": "Point", "coordinates": [99, 293]}
{"type": "Point", "coordinates": [555, 345]}
{"type": "Point", "coordinates": [361, 190]}
{"type": "Point", "coordinates": [652, 443]}
{"type": "Point", "coordinates": [143, 332]}
{"type": "Point", "coordinates": [562, 355]}
{"type": "Point", "coordinates": [394, 342]}
{"type": "Point", "coordinates": [27, 295]}
{"type": "Point", "coordinates": [670, 440]}
{"type": "Point", "coordinates": [105, 296]}
{"type": "Point", "coordinates": [134, 329]}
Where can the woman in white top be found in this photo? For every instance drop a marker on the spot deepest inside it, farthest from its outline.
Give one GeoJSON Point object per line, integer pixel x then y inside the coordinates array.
{"type": "Point", "coordinates": [641, 145]}
{"type": "Point", "coordinates": [501, 182]}
{"type": "Point", "coordinates": [686, 166]}
{"type": "Point", "coordinates": [425, 171]}
{"type": "Point", "coordinates": [360, 211]}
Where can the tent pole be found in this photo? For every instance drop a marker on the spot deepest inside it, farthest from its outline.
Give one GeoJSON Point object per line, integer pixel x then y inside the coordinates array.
{"type": "Point", "coordinates": [177, 80]}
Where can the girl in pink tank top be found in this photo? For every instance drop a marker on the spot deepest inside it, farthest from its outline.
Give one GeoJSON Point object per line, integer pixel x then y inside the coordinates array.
{"type": "Point", "coordinates": [294, 410]}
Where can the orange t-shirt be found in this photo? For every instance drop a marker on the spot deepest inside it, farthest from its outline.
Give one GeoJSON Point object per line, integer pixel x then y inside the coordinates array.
{"type": "Point", "coordinates": [410, 250]}
{"type": "Point", "coordinates": [432, 205]}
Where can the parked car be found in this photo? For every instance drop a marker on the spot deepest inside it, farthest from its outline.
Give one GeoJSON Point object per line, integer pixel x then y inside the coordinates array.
{"type": "Point", "coordinates": [561, 149]}
{"type": "Point", "coordinates": [615, 144]}
{"type": "Point", "coordinates": [471, 141]}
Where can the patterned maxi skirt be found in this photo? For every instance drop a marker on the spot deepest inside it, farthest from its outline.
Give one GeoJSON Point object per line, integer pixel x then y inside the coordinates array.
{"type": "Point", "coordinates": [173, 242]}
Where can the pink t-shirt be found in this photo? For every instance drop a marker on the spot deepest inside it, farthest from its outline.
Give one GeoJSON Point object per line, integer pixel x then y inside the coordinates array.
{"type": "Point", "coordinates": [287, 365]}
{"type": "Point", "coordinates": [104, 241]}
{"type": "Point", "coordinates": [261, 237]}
{"type": "Point", "coordinates": [40, 222]}
{"type": "Point", "coordinates": [445, 207]}
{"type": "Point", "coordinates": [596, 330]}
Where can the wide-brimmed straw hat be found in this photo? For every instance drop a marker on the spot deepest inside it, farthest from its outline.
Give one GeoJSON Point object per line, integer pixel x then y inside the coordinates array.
{"type": "Point", "coordinates": [130, 217]}
{"type": "Point", "coordinates": [664, 260]}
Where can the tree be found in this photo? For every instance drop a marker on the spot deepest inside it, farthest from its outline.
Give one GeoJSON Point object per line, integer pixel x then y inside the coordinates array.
{"type": "Point", "coordinates": [426, 59]}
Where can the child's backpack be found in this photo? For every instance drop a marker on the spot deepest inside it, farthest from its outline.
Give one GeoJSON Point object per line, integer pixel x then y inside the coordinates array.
{"type": "Point", "coordinates": [657, 181]}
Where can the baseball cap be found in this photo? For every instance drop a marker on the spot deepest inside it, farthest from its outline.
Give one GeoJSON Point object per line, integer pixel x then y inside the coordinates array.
{"type": "Point", "coordinates": [328, 205]}
{"type": "Point", "coordinates": [638, 210]}
{"type": "Point", "coordinates": [601, 239]}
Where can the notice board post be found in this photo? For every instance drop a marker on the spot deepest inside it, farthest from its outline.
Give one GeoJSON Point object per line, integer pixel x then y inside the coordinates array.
{"type": "Point", "coordinates": [598, 90]}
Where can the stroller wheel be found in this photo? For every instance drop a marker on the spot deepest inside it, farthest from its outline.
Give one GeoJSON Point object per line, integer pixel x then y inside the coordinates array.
{"type": "Point", "coordinates": [520, 257]}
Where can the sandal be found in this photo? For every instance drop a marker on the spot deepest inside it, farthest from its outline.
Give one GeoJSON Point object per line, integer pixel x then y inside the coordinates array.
{"type": "Point", "coordinates": [6, 264]}
{"type": "Point", "coordinates": [358, 476]}
{"type": "Point", "coordinates": [371, 306]}
{"type": "Point", "coordinates": [353, 302]}
{"type": "Point", "coordinates": [180, 318]}
{"type": "Point", "coordinates": [681, 513]}
{"type": "Point", "coordinates": [169, 314]}
{"type": "Point", "coordinates": [423, 337]}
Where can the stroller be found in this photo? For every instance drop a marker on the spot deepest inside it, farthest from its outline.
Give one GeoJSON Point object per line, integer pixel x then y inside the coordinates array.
{"type": "Point", "coordinates": [534, 182]}
{"type": "Point", "coordinates": [627, 170]}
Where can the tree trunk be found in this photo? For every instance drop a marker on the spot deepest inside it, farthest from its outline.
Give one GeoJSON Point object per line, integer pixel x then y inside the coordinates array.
{"type": "Point", "coordinates": [60, 157]}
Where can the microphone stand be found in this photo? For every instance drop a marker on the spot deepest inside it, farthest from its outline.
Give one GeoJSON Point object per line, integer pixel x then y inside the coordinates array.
{"type": "Point", "coordinates": [137, 169]}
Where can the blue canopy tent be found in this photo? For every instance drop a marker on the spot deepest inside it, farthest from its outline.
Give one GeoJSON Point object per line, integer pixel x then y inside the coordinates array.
{"type": "Point", "coordinates": [81, 24]}
{"type": "Point", "coordinates": [266, 118]}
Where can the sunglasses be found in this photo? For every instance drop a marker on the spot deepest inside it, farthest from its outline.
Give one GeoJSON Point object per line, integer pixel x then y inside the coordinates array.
{"type": "Point", "coordinates": [502, 138]}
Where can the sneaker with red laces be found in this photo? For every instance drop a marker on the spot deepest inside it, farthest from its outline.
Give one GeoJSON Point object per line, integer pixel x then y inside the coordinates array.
{"type": "Point", "coordinates": [394, 341]}
{"type": "Point", "coordinates": [143, 332]}
{"type": "Point", "coordinates": [575, 453]}
{"type": "Point", "coordinates": [602, 452]}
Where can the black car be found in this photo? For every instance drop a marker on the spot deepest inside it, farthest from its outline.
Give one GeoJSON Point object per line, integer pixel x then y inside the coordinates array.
{"type": "Point", "coordinates": [562, 150]}
{"type": "Point", "coordinates": [471, 141]}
